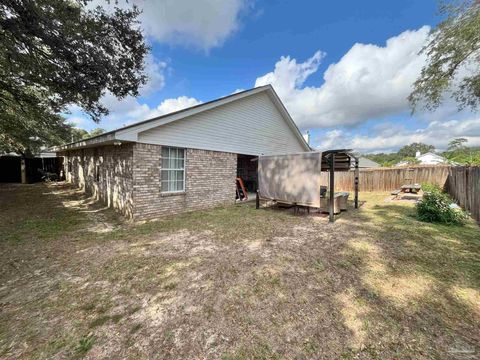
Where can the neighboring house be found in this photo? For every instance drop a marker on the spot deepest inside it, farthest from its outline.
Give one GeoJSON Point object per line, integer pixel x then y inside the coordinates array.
{"type": "Point", "coordinates": [364, 163]}
{"type": "Point", "coordinates": [429, 158]}
{"type": "Point", "coordinates": [185, 160]}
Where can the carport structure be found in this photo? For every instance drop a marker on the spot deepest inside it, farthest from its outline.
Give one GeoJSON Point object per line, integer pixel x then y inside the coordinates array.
{"type": "Point", "coordinates": [296, 178]}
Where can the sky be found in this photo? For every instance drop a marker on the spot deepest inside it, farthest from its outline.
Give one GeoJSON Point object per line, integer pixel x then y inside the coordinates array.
{"type": "Point", "coordinates": [343, 69]}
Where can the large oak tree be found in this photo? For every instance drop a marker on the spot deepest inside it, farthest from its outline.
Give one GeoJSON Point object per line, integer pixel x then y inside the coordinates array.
{"type": "Point", "coordinates": [56, 53]}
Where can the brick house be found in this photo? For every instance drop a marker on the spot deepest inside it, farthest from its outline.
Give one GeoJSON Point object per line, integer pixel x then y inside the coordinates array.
{"type": "Point", "coordinates": [185, 160]}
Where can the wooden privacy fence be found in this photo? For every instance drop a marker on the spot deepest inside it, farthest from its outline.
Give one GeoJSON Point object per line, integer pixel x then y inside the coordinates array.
{"type": "Point", "coordinates": [463, 184]}
{"type": "Point", "coordinates": [388, 179]}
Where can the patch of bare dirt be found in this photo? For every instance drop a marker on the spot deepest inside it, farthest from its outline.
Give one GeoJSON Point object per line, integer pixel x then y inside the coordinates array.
{"type": "Point", "coordinates": [294, 287]}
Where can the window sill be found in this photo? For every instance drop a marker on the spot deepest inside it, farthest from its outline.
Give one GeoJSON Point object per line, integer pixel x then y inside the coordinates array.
{"type": "Point", "coordinates": [173, 193]}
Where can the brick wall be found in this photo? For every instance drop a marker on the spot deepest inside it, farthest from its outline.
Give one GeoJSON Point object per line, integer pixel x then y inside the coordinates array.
{"type": "Point", "coordinates": [128, 179]}
{"type": "Point", "coordinates": [104, 172]}
{"type": "Point", "coordinates": [210, 181]}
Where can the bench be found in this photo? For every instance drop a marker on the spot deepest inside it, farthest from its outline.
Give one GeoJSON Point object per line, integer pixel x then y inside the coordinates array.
{"type": "Point", "coordinates": [395, 193]}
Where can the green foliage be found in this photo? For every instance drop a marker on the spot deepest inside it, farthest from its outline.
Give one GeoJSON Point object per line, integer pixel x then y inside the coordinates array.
{"type": "Point", "coordinates": [435, 208]}
{"type": "Point", "coordinates": [96, 132]}
{"type": "Point", "coordinates": [384, 159]}
{"type": "Point", "coordinates": [457, 144]}
{"type": "Point", "coordinates": [55, 53]}
{"type": "Point", "coordinates": [468, 156]}
{"type": "Point", "coordinates": [458, 152]}
{"type": "Point", "coordinates": [78, 134]}
{"type": "Point", "coordinates": [411, 150]}
{"type": "Point", "coordinates": [406, 153]}
{"type": "Point", "coordinates": [85, 344]}
{"type": "Point", "coordinates": [319, 265]}
{"type": "Point", "coordinates": [428, 187]}
{"type": "Point", "coordinates": [454, 45]}
{"type": "Point", "coordinates": [26, 128]}
{"type": "Point", "coordinates": [411, 160]}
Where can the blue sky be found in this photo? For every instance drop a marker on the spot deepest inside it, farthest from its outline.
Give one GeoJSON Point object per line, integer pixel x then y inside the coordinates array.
{"type": "Point", "coordinates": [343, 69]}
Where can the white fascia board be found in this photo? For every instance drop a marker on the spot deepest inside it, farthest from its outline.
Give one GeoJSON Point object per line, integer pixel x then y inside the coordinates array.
{"type": "Point", "coordinates": [98, 140]}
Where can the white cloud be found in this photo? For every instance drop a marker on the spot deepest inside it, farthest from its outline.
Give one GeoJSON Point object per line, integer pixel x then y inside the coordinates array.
{"type": "Point", "coordinates": [369, 81]}
{"type": "Point", "coordinates": [77, 121]}
{"type": "Point", "coordinates": [130, 110]}
{"type": "Point", "coordinates": [179, 103]}
{"type": "Point", "coordinates": [389, 138]}
{"type": "Point", "coordinates": [138, 112]}
{"type": "Point", "coordinates": [155, 71]}
{"type": "Point", "coordinates": [288, 75]}
{"type": "Point", "coordinates": [200, 23]}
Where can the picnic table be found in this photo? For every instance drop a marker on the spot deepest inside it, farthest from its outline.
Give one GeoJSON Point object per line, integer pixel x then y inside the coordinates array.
{"type": "Point", "coordinates": [411, 188]}
{"type": "Point", "coordinates": [407, 188]}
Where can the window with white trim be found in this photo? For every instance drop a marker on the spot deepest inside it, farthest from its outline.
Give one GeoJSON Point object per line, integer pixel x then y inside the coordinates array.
{"type": "Point", "coordinates": [173, 169]}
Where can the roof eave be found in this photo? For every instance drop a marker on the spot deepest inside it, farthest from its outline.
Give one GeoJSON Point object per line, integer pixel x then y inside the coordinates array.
{"type": "Point", "coordinates": [130, 133]}
{"type": "Point", "coordinates": [104, 139]}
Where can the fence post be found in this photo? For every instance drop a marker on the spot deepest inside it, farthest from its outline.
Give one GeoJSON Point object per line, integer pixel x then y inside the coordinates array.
{"type": "Point", "coordinates": [332, 187]}
{"type": "Point", "coordinates": [356, 183]}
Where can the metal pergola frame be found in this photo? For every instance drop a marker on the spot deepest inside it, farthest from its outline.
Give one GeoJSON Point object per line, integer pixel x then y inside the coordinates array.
{"type": "Point", "coordinates": [339, 160]}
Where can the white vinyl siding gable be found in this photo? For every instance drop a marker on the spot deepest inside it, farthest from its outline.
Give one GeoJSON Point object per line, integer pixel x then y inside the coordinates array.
{"type": "Point", "coordinates": [252, 125]}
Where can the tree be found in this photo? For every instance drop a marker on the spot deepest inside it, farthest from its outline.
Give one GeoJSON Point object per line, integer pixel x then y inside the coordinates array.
{"type": "Point", "coordinates": [453, 55]}
{"type": "Point", "coordinates": [55, 53]}
{"type": "Point", "coordinates": [96, 132]}
{"type": "Point", "coordinates": [78, 134]}
{"type": "Point", "coordinates": [411, 160]}
{"type": "Point", "coordinates": [411, 150]}
{"type": "Point", "coordinates": [386, 160]}
{"type": "Point", "coordinates": [26, 133]}
{"type": "Point", "coordinates": [457, 144]}
{"type": "Point", "coordinates": [460, 153]}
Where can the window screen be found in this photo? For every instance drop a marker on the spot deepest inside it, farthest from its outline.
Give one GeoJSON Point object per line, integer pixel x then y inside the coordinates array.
{"type": "Point", "coordinates": [173, 169]}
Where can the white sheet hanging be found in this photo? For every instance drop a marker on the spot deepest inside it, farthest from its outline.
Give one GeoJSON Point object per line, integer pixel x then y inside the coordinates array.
{"type": "Point", "coordinates": [291, 178]}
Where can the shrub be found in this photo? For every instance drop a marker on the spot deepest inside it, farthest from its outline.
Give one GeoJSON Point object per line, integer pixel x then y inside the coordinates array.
{"type": "Point", "coordinates": [436, 206]}
{"type": "Point", "coordinates": [428, 187]}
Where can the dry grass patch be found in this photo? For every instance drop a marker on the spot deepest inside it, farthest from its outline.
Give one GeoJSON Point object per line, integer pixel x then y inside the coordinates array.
{"type": "Point", "coordinates": [232, 283]}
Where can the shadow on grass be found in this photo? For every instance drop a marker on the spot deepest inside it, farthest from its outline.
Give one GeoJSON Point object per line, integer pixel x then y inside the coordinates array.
{"type": "Point", "coordinates": [243, 283]}
{"type": "Point", "coordinates": [418, 282]}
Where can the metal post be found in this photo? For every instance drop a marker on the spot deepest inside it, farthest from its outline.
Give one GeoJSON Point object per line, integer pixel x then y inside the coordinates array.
{"type": "Point", "coordinates": [257, 201]}
{"type": "Point", "coordinates": [23, 170]}
{"type": "Point", "coordinates": [332, 186]}
{"type": "Point", "coordinates": [356, 183]}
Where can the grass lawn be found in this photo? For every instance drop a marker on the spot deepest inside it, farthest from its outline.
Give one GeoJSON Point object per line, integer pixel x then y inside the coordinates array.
{"type": "Point", "coordinates": [233, 283]}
